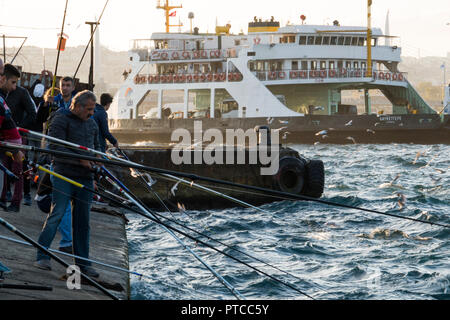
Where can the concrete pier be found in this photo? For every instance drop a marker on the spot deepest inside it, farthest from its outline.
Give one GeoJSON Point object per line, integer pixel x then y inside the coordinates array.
{"type": "Point", "coordinates": [108, 244]}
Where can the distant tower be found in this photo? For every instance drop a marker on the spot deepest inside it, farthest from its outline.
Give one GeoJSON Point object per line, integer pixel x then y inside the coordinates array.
{"type": "Point", "coordinates": [98, 73]}
{"type": "Point", "coordinates": [387, 31]}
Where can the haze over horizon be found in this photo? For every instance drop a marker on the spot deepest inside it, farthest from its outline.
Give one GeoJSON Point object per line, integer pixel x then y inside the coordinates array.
{"type": "Point", "coordinates": [422, 28]}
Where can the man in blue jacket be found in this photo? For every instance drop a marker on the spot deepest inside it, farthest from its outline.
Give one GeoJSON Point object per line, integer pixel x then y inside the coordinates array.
{"type": "Point", "coordinates": [101, 117]}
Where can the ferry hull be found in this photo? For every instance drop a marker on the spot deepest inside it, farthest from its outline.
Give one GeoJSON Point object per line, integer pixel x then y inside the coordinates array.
{"type": "Point", "coordinates": [417, 129]}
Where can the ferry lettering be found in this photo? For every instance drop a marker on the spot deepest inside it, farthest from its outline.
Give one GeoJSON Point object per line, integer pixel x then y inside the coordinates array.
{"type": "Point", "coordinates": [192, 310]}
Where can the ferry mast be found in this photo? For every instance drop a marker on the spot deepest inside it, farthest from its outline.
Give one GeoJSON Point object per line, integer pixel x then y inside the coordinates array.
{"type": "Point", "coordinates": [166, 7]}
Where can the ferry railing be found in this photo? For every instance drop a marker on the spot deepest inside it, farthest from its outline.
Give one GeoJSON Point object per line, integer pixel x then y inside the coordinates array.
{"type": "Point", "coordinates": [175, 78]}
{"type": "Point", "coordinates": [180, 55]}
{"type": "Point", "coordinates": [319, 75]}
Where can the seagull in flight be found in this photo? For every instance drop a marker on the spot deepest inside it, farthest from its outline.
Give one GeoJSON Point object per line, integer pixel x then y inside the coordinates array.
{"type": "Point", "coordinates": [351, 139]}
{"type": "Point", "coordinates": [322, 133]}
{"type": "Point", "coordinates": [175, 188]}
{"type": "Point", "coordinates": [349, 124]}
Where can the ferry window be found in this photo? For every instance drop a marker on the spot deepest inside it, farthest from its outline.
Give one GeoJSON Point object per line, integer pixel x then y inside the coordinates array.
{"type": "Point", "coordinates": [318, 41]}
{"type": "Point", "coordinates": [260, 66]}
{"type": "Point", "coordinates": [354, 41]}
{"type": "Point", "coordinates": [340, 64]}
{"type": "Point", "coordinates": [340, 41]}
{"type": "Point", "coordinates": [291, 39]}
{"type": "Point", "coordinates": [294, 65]}
{"type": "Point", "coordinates": [304, 65]}
{"type": "Point", "coordinates": [279, 66]}
{"type": "Point", "coordinates": [331, 65]}
{"type": "Point", "coordinates": [348, 64]}
{"type": "Point", "coordinates": [326, 41]}
{"type": "Point", "coordinates": [361, 42]}
{"type": "Point", "coordinates": [310, 40]}
{"type": "Point", "coordinates": [313, 65]}
{"type": "Point", "coordinates": [237, 42]}
{"type": "Point", "coordinates": [348, 41]}
{"type": "Point", "coordinates": [251, 66]}
{"type": "Point", "coordinates": [374, 42]}
{"type": "Point", "coordinates": [355, 65]}
{"type": "Point", "coordinates": [333, 41]}
{"type": "Point", "coordinates": [323, 65]}
{"type": "Point", "coordinates": [302, 40]}
{"type": "Point", "coordinates": [363, 65]}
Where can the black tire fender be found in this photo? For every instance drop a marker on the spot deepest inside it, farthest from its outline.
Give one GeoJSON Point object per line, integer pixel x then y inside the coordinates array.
{"type": "Point", "coordinates": [291, 175]}
{"type": "Point", "coordinates": [315, 179]}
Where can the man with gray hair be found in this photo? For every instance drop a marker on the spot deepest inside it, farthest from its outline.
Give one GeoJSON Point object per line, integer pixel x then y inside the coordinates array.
{"type": "Point", "coordinates": [77, 126]}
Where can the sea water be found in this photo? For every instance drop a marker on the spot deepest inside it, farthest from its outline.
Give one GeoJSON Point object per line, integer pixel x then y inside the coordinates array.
{"type": "Point", "coordinates": [330, 252]}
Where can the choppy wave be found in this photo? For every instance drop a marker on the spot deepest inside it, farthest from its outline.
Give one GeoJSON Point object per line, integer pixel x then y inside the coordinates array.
{"type": "Point", "coordinates": [330, 253]}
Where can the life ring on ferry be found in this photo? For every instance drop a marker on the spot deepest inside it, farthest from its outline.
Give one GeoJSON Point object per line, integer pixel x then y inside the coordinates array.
{"type": "Point", "coordinates": [281, 75]}
{"type": "Point", "coordinates": [388, 76]}
{"type": "Point", "coordinates": [163, 79]}
{"type": "Point", "coordinates": [230, 77]}
{"type": "Point", "coordinates": [204, 55]}
{"type": "Point", "coordinates": [196, 54]}
{"type": "Point", "coordinates": [400, 77]}
{"type": "Point", "coordinates": [216, 77]}
{"type": "Point", "coordinates": [303, 74]}
{"type": "Point", "coordinates": [209, 77]}
{"type": "Point", "coordinates": [186, 55]}
{"type": "Point", "coordinates": [237, 77]}
{"type": "Point", "coordinates": [222, 77]}
{"type": "Point", "coordinates": [332, 73]}
{"type": "Point", "coordinates": [316, 74]}
{"type": "Point", "coordinates": [343, 72]}
{"type": "Point", "coordinates": [170, 78]}
{"type": "Point", "coordinates": [394, 77]}
{"type": "Point", "coordinates": [176, 78]}
{"type": "Point", "coordinates": [323, 74]}
{"type": "Point", "coordinates": [203, 77]}
{"type": "Point", "coordinates": [175, 55]}
{"type": "Point", "coordinates": [273, 75]}
{"type": "Point", "coordinates": [182, 78]}
{"type": "Point", "coordinates": [381, 76]}
{"type": "Point", "coordinates": [217, 53]}
{"type": "Point", "coordinates": [293, 75]}
{"type": "Point", "coordinates": [196, 77]}
{"type": "Point", "coordinates": [150, 79]}
{"type": "Point", "coordinates": [164, 55]}
{"type": "Point", "coordinates": [157, 78]}
{"type": "Point", "coordinates": [189, 78]}
{"type": "Point", "coordinates": [257, 40]}
{"type": "Point", "coordinates": [136, 80]}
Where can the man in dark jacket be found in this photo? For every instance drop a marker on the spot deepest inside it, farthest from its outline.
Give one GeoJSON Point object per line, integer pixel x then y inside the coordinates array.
{"type": "Point", "coordinates": [101, 117]}
{"type": "Point", "coordinates": [76, 126]}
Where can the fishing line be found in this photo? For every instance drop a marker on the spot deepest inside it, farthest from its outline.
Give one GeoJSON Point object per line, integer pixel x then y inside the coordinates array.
{"type": "Point", "coordinates": [128, 164]}
{"type": "Point", "coordinates": [35, 244]}
{"type": "Point", "coordinates": [165, 225]}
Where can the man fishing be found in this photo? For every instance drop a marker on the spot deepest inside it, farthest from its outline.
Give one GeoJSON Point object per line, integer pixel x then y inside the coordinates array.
{"type": "Point", "coordinates": [74, 125]}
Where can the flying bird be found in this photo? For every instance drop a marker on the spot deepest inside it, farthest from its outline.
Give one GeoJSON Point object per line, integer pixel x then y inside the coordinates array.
{"type": "Point", "coordinates": [322, 133]}
{"type": "Point", "coordinates": [401, 201]}
{"type": "Point", "coordinates": [281, 129]}
{"type": "Point", "coordinates": [350, 123]}
{"type": "Point", "coordinates": [286, 135]}
{"type": "Point", "coordinates": [270, 120]}
{"type": "Point", "coordinates": [370, 131]}
{"type": "Point", "coordinates": [284, 122]}
{"type": "Point", "coordinates": [351, 139]}
{"type": "Point", "coordinates": [175, 188]}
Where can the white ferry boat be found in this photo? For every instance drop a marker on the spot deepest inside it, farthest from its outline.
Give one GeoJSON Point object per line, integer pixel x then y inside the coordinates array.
{"type": "Point", "coordinates": [289, 77]}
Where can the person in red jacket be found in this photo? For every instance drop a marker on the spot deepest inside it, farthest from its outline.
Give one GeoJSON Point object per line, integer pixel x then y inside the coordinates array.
{"type": "Point", "coordinates": [9, 133]}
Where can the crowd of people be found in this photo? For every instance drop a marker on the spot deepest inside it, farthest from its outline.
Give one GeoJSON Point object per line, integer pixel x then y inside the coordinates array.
{"type": "Point", "coordinates": [67, 115]}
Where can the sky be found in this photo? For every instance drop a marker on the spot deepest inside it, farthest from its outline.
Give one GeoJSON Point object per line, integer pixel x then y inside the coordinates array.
{"type": "Point", "coordinates": [423, 26]}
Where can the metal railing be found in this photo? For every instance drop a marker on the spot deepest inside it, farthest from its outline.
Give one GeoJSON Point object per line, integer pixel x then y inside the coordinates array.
{"type": "Point", "coordinates": [188, 78]}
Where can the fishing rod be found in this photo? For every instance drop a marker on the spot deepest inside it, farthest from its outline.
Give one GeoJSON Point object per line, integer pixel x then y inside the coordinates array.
{"type": "Point", "coordinates": [90, 40]}
{"type": "Point", "coordinates": [120, 184]}
{"type": "Point", "coordinates": [118, 188]}
{"type": "Point", "coordinates": [8, 173]}
{"type": "Point", "coordinates": [78, 257]}
{"type": "Point", "coordinates": [236, 293]}
{"type": "Point", "coordinates": [35, 244]}
{"type": "Point", "coordinates": [165, 173]}
{"type": "Point", "coordinates": [59, 49]}
{"type": "Point", "coordinates": [165, 225]}
{"type": "Point", "coordinates": [169, 173]}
